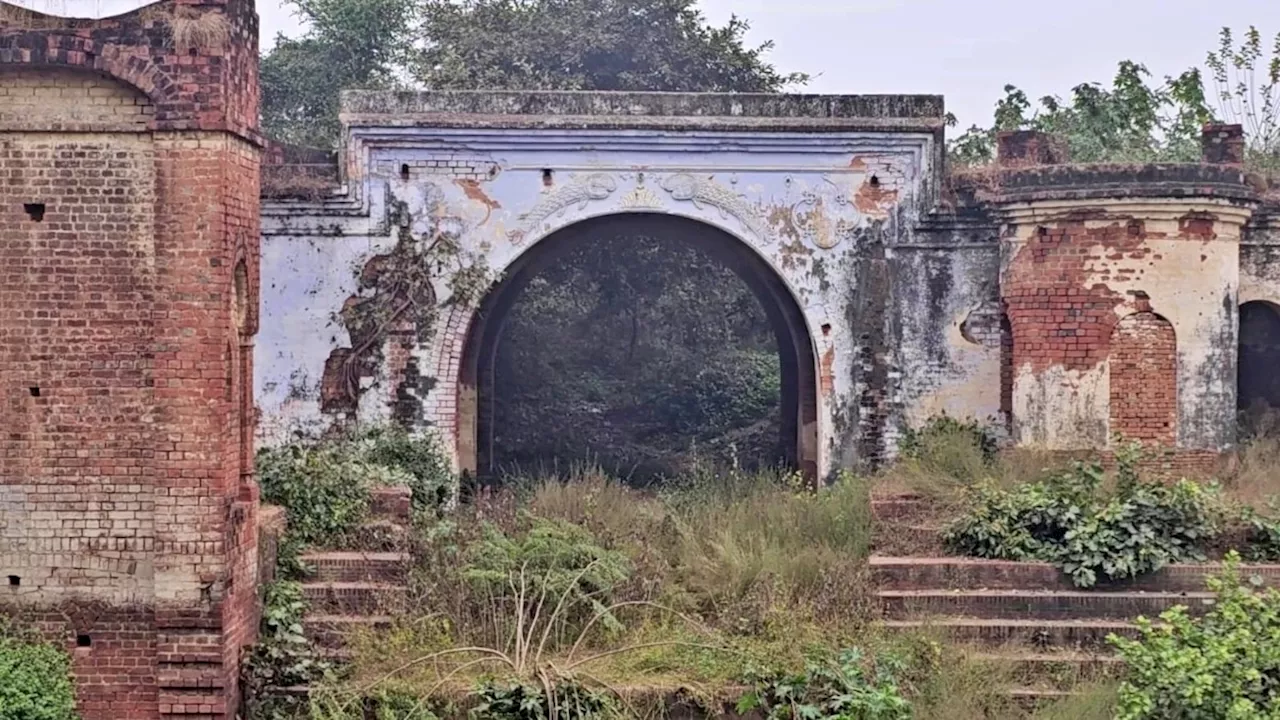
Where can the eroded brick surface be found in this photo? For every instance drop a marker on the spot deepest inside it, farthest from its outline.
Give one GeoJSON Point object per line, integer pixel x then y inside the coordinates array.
{"type": "Point", "coordinates": [128, 306]}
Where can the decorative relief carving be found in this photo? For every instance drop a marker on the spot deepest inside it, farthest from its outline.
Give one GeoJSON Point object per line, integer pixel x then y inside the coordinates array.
{"type": "Point", "coordinates": [704, 191]}
{"type": "Point", "coordinates": [579, 191]}
{"type": "Point", "coordinates": [831, 216]}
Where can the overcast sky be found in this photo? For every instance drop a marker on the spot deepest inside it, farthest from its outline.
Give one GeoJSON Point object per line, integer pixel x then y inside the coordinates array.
{"type": "Point", "coordinates": [966, 51]}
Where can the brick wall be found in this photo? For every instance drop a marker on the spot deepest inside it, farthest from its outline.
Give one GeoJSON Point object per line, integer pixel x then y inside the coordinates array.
{"type": "Point", "coordinates": [1143, 382]}
{"type": "Point", "coordinates": [129, 268]}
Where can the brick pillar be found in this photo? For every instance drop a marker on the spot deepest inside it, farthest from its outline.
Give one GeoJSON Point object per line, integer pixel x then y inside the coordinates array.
{"type": "Point", "coordinates": [129, 249]}
{"type": "Point", "coordinates": [1029, 147]}
{"type": "Point", "coordinates": [1223, 144]}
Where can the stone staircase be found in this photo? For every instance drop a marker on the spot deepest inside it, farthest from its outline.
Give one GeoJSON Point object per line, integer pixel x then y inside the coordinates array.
{"type": "Point", "coordinates": [364, 586]}
{"type": "Point", "coordinates": [1029, 616]}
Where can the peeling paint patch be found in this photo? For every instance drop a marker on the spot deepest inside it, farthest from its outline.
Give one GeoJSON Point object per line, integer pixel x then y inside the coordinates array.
{"type": "Point", "coordinates": [473, 191]}
{"type": "Point", "coordinates": [874, 199]}
{"type": "Point", "coordinates": [828, 382]}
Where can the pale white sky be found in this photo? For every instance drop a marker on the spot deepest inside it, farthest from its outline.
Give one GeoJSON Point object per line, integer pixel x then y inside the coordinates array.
{"type": "Point", "coordinates": [966, 51]}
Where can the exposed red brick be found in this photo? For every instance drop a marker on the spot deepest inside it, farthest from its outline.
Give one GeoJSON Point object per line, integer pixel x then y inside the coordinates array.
{"type": "Point", "coordinates": [128, 307]}
{"type": "Point", "coordinates": [1144, 383]}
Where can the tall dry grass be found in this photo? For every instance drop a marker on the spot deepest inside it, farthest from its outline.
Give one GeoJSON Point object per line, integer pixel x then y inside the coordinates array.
{"type": "Point", "coordinates": [949, 461]}
{"type": "Point", "coordinates": [1255, 477]}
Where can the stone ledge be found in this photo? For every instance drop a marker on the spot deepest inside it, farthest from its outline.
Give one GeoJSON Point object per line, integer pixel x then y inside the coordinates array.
{"type": "Point", "coordinates": [694, 111]}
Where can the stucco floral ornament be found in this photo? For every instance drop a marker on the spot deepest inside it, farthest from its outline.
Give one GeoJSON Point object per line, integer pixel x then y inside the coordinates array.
{"type": "Point", "coordinates": [825, 215]}
{"type": "Point", "coordinates": [580, 191]}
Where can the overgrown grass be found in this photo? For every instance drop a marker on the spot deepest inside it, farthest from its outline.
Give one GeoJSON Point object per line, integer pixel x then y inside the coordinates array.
{"type": "Point", "coordinates": [584, 579]}
{"type": "Point", "coordinates": [1091, 701]}
{"type": "Point", "coordinates": [944, 460]}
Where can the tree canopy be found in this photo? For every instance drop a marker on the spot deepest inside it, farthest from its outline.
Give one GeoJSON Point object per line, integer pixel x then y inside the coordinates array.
{"type": "Point", "coordinates": [663, 45]}
{"type": "Point", "coordinates": [1138, 119]}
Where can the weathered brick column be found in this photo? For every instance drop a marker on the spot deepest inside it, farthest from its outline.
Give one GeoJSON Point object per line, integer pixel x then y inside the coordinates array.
{"type": "Point", "coordinates": [128, 307]}
{"type": "Point", "coordinates": [1120, 286]}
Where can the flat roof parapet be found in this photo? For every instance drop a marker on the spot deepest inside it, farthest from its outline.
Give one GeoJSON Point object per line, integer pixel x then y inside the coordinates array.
{"type": "Point", "coordinates": [642, 110]}
{"type": "Point", "coordinates": [1084, 182]}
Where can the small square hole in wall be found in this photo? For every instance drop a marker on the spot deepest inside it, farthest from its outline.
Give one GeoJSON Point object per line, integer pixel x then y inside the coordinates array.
{"type": "Point", "coordinates": [34, 390]}
{"type": "Point", "coordinates": [83, 641]}
{"type": "Point", "coordinates": [14, 581]}
{"type": "Point", "coordinates": [35, 211]}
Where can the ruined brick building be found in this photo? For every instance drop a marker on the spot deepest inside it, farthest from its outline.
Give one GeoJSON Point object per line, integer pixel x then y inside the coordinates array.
{"type": "Point", "coordinates": [129, 169]}
{"type": "Point", "coordinates": [1072, 303]}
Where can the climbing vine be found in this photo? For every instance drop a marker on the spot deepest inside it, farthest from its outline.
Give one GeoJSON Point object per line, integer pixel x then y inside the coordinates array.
{"type": "Point", "coordinates": [397, 292]}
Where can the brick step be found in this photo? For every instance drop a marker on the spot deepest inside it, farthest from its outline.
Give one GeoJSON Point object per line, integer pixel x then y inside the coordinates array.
{"type": "Point", "coordinates": [1088, 634]}
{"type": "Point", "coordinates": [898, 508]}
{"type": "Point", "coordinates": [391, 503]}
{"type": "Point", "coordinates": [1053, 669]}
{"type": "Point", "coordinates": [907, 540]}
{"type": "Point", "coordinates": [378, 536]}
{"type": "Point", "coordinates": [357, 565]}
{"type": "Point", "coordinates": [955, 573]}
{"type": "Point", "coordinates": [1031, 699]}
{"type": "Point", "coordinates": [178, 703]}
{"type": "Point", "coordinates": [1038, 604]}
{"type": "Point", "coordinates": [354, 598]}
{"type": "Point", "coordinates": [332, 631]}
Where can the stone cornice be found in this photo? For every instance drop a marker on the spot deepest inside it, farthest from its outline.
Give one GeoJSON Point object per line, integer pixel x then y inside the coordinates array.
{"type": "Point", "coordinates": [658, 111]}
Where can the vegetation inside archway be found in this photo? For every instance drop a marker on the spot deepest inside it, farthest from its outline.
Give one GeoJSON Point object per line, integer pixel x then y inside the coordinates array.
{"type": "Point", "coordinates": [640, 353]}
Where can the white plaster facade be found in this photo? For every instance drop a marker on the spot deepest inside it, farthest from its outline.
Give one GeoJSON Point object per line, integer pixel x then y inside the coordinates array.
{"type": "Point", "coordinates": [804, 192]}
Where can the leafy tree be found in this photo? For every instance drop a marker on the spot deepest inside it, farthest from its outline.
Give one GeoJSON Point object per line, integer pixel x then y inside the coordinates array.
{"type": "Point", "coordinates": [590, 45]}
{"type": "Point", "coordinates": [1132, 121]}
{"type": "Point", "coordinates": [1236, 70]}
{"type": "Point", "coordinates": [1137, 121]}
{"type": "Point", "coordinates": [349, 43]}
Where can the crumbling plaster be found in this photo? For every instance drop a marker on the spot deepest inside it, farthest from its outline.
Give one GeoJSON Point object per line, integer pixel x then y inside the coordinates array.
{"type": "Point", "coordinates": [1179, 256]}
{"type": "Point", "coordinates": [1260, 258]}
{"type": "Point", "coordinates": [904, 298]}
{"type": "Point", "coordinates": [808, 200]}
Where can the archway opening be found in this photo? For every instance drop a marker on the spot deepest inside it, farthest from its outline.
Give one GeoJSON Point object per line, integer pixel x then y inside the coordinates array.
{"type": "Point", "coordinates": [1258, 368]}
{"type": "Point", "coordinates": [645, 343]}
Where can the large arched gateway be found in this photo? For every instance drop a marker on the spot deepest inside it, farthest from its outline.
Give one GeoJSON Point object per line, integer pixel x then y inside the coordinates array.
{"type": "Point", "coordinates": [799, 372]}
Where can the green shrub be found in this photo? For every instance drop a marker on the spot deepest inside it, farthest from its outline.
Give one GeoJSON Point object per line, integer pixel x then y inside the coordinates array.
{"type": "Point", "coordinates": [281, 658]}
{"type": "Point", "coordinates": [567, 701]}
{"type": "Point", "coordinates": [1093, 536]}
{"type": "Point", "coordinates": [1262, 536]}
{"type": "Point", "coordinates": [35, 679]}
{"type": "Point", "coordinates": [1225, 664]}
{"type": "Point", "coordinates": [846, 689]}
{"type": "Point", "coordinates": [551, 563]}
{"type": "Point", "coordinates": [426, 470]}
{"type": "Point", "coordinates": [324, 492]}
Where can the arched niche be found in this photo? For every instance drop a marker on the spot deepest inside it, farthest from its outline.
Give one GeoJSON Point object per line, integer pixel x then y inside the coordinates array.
{"type": "Point", "coordinates": [1143, 366]}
